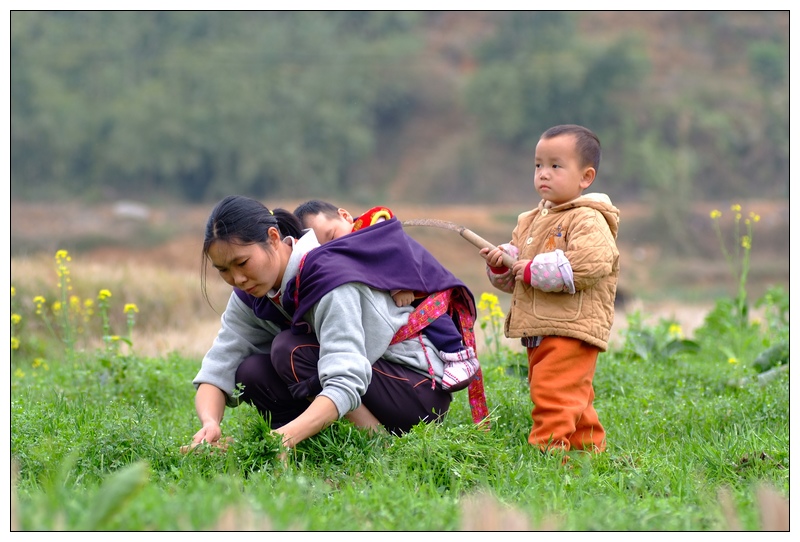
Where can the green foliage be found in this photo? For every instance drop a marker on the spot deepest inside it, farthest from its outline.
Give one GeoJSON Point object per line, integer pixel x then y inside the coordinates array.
{"type": "Point", "coordinates": [200, 104]}
{"type": "Point", "coordinates": [292, 97]}
{"type": "Point", "coordinates": [514, 103]}
{"type": "Point", "coordinates": [728, 326]}
{"type": "Point", "coordinates": [769, 62]}
{"type": "Point", "coordinates": [457, 460]}
{"type": "Point", "coordinates": [96, 441]}
{"type": "Point", "coordinates": [775, 355]}
{"type": "Point", "coordinates": [257, 446]}
{"type": "Point", "coordinates": [660, 344]}
{"type": "Point", "coordinates": [112, 497]}
{"type": "Point", "coordinates": [677, 435]}
{"type": "Point", "coordinates": [775, 303]}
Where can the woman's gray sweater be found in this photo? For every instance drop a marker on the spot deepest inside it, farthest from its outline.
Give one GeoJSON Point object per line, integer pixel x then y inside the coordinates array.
{"type": "Point", "coordinates": [353, 323]}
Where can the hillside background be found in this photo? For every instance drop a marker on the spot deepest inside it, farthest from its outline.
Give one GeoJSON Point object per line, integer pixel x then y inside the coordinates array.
{"type": "Point", "coordinates": [126, 128]}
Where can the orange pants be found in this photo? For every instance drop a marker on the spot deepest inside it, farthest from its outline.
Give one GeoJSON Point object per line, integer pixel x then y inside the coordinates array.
{"type": "Point", "coordinates": [560, 373]}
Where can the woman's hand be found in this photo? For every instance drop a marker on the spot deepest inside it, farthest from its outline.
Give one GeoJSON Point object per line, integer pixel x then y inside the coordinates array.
{"type": "Point", "coordinates": [210, 405]}
{"type": "Point", "coordinates": [319, 415]}
{"type": "Point", "coordinates": [211, 432]}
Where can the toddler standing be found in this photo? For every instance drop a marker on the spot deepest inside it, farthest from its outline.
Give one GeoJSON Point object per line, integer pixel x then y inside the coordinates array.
{"type": "Point", "coordinates": [563, 286]}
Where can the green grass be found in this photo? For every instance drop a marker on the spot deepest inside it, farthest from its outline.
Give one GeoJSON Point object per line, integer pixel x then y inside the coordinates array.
{"type": "Point", "coordinates": [98, 449]}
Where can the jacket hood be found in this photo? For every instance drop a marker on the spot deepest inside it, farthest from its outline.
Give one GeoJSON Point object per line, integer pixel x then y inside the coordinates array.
{"type": "Point", "coordinates": [594, 200]}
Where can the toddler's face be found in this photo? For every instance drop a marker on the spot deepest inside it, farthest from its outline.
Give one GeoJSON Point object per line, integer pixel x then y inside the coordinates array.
{"type": "Point", "coordinates": [327, 229]}
{"type": "Point", "coordinates": [559, 176]}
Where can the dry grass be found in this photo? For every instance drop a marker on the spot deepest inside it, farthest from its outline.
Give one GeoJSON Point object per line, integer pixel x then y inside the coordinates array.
{"type": "Point", "coordinates": [163, 280]}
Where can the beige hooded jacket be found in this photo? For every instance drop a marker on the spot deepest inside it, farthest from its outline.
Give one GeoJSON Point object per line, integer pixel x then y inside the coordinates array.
{"type": "Point", "coordinates": [586, 230]}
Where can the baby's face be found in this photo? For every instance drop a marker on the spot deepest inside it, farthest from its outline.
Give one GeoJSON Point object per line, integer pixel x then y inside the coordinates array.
{"type": "Point", "coordinates": [327, 229]}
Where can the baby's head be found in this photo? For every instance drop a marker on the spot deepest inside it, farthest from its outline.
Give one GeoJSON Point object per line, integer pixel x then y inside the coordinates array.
{"type": "Point", "coordinates": [328, 221]}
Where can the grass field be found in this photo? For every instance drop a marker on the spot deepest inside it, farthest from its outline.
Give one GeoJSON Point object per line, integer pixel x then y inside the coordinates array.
{"type": "Point", "coordinates": [697, 419]}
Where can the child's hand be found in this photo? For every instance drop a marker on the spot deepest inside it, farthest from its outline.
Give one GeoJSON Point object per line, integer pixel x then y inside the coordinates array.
{"type": "Point", "coordinates": [403, 298]}
{"type": "Point", "coordinates": [519, 270]}
{"type": "Point", "coordinates": [494, 257]}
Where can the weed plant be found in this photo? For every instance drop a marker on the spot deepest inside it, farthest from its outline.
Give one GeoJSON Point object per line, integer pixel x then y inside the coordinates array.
{"type": "Point", "coordinates": [694, 441]}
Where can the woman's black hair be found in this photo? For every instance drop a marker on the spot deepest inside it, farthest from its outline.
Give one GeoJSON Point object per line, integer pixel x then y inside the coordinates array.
{"type": "Point", "coordinates": [245, 221]}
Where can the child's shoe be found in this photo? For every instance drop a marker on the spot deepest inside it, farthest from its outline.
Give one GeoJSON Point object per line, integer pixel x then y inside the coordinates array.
{"type": "Point", "coordinates": [460, 369]}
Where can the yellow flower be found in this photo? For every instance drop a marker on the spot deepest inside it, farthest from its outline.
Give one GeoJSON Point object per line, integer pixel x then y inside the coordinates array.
{"type": "Point", "coordinates": [103, 294]}
{"type": "Point", "coordinates": [755, 217]}
{"type": "Point", "coordinates": [715, 214]}
{"type": "Point", "coordinates": [736, 207]}
{"type": "Point", "coordinates": [88, 303]}
{"type": "Point", "coordinates": [130, 307]}
{"type": "Point", "coordinates": [733, 360]}
{"type": "Point", "coordinates": [19, 374]}
{"type": "Point", "coordinates": [39, 301]}
{"type": "Point", "coordinates": [14, 343]}
{"type": "Point", "coordinates": [487, 301]}
{"type": "Point", "coordinates": [56, 306]}
{"type": "Point", "coordinates": [62, 255]}
{"type": "Point", "coordinates": [114, 338]}
{"type": "Point", "coordinates": [676, 331]}
{"type": "Point", "coordinates": [15, 318]}
{"type": "Point", "coordinates": [13, 291]}
{"type": "Point", "coordinates": [746, 242]}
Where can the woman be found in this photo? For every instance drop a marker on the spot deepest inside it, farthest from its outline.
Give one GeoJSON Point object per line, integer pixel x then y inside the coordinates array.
{"type": "Point", "coordinates": [371, 365]}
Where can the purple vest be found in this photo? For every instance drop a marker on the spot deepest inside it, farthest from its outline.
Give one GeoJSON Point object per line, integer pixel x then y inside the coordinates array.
{"type": "Point", "coordinates": [382, 256]}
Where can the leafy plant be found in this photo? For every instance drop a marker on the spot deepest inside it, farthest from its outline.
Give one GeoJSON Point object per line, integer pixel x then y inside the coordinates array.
{"type": "Point", "coordinates": [492, 325]}
{"type": "Point", "coordinates": [69, 320]}
{"type": "Point", "coordinates": [730, 318]}
{"type": "Point", "coordinates": [659, 344]}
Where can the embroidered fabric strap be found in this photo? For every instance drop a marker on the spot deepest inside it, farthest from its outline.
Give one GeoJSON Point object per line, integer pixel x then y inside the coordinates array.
{"type": "Point", "coordinates": [429, 310]}
{"type": "Point", "coordinates": [297, 281]}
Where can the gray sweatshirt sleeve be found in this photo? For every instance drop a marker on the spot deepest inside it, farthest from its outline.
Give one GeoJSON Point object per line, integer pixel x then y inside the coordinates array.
{"type": "Point", "coordinates": [355, 324]}
{"type": "Point", "coordinates": [241, 334]}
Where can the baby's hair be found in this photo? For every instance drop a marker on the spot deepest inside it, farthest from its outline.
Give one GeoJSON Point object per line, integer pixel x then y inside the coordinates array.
{"type": "Point", "coordinates": [313, 208]}
{"type": "Point", "coordinates": [586, 142]}
{"type": "Point", "coordinates": [244, 221]}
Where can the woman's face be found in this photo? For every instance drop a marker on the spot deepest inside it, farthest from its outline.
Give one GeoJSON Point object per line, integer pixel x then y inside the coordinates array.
{"type": "Point", "coordinates": [256, 269]}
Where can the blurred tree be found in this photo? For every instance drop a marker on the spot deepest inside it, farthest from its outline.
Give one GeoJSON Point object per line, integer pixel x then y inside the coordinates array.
{"type": "Point", "coordinates": [197, 104]}
{"type": "Point", "coordinates": [530, 78]}
{"type": "Point", "coordinates": [200, 104]}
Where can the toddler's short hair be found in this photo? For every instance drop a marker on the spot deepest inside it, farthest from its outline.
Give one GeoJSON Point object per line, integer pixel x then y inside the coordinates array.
{"type": "Point", "coordinates": [586, 142]}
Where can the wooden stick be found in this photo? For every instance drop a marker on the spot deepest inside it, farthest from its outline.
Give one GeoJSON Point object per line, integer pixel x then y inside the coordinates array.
{"type": "Point", "coordinates": [467, 234]}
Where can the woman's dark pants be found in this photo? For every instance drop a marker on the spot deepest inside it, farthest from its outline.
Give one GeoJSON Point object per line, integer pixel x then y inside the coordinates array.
{"type": "Point", "coordinates": [282, 384]}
